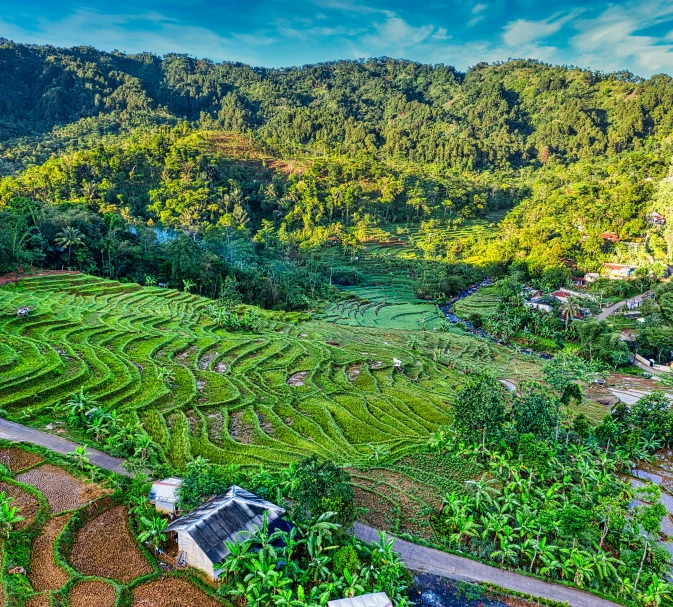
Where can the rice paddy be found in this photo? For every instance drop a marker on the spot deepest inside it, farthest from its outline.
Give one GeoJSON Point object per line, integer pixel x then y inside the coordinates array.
{"type": "Point", "coordinates": [233, 397]}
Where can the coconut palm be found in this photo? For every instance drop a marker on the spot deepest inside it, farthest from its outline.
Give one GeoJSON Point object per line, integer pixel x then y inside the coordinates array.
{"type": "Point", "coordinates": [69, 237]}
{"type": "Point", "coordinates": [80, 458]}
{"type": "Point", "coordinates": [150, 281]}
{"type": "Point", "coordinates": [483, 490]}
{"type": "Point", "coordinates": [188, 285]}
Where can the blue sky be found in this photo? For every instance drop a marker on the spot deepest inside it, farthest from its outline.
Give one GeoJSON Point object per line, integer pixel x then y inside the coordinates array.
{"type": "Point", "coordinates": [633, 35]}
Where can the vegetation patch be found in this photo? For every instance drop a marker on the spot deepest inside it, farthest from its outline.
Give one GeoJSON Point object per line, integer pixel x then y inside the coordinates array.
{"type": "Point", "coordinates": [44, 573]}
{"type": "Point", "coordinates": [92, 593]}
{"type": "Point", "coordinates": [62, 490]}
{"type": "Point", "coordinates": [104, 548]}
{"type": "Point", "coordinates": [173, 591]}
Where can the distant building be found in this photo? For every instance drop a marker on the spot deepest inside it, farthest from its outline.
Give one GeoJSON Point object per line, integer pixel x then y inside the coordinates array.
{"type": "Point", "coordinates": [202, 535]}
{"type": "Point", "coordinates": [591, 276]}
{"type": "Point", "coordinates": [164, 494]}
{"type": "Point", "coordinates": [634, 304]}
{"type": "Point", "coordinates": [379, 599]}
{"type": "Point", "coordinates": [562, 296]}
{"type": "Point", "coordinates": [611, 236]}
{"type": "Point", "coordinates": [538, 304]}
{"type": "Point", "coordinates": [618, 271]}
{"type": "Point", "coordinates": [655, 218]}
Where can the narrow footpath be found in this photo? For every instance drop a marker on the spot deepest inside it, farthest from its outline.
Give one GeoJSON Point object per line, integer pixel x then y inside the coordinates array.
{"type": "Point", "coordinates": [16, 432]}
{"type": "Point", "coordinates": [429, 560]}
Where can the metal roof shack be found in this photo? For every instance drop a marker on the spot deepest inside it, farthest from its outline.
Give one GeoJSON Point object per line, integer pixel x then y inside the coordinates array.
{"type": "Point", "coordinates": [203, 533]}
{"type": "Point", "coordinates": [164, 494]}
{"type": "Point", "coordinates": [378, 599]}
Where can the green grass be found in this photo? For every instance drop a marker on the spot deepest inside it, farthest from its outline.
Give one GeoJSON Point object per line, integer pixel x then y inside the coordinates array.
{"type": "Point", "coordinates": [230, 400]}
{"type": "Point", "coordinates": [483, 303]}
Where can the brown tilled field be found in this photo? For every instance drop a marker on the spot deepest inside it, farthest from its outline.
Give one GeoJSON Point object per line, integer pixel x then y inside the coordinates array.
{"type": "Point", "coordinates": [26, 503]}
{"type": "Point", "coordinates": [42, 600]}
{"type": "Point", "coordinates": [171, 592]}
{"type": "Point", "coordinates": [44, 573]}
{"type": "Point", "coordinates": [92, 594]}
{"type": "Point", "coordinates": [18, 459]}
{"type": "Point", "coordinates": [62, 490]}
{"type": "Point", "coordinates": [104, 547]}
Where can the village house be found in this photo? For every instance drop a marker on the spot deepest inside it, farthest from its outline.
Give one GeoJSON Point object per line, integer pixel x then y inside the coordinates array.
{"type": "Point", "coordinates": [538, 304]}
{"type": "Point", "coordinates": [592, 276]}
{"type": "Point", "coordinates": [618, 271]}
{"type": "Point", "coordinates": [634, 304]}
{"type": "Point", "coordinates": [611, 236]}
{"type": "Point", "coordinates": [164, 495]}
{"type": "Point", "coordinates": [378, 599]}
{"type": "Point", "coordinates": [202, 535]}
{"type": "Point", "coordinates": [656, 218]}
{"type": "Point", "coordinates": [562, 296]}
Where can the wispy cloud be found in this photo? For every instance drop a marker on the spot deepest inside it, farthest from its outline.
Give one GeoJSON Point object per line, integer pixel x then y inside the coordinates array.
{"type": "Point", "coordinates": [525, 31]}
{"type": "Point", "coordinates": [478, 12]}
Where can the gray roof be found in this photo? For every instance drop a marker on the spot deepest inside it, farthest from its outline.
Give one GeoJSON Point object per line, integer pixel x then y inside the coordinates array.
{"type": "Point", "coordinates": [379, 599]}
{"type": "Point", "coordinates": [166, 490]}
{"type": "Point", "coordinates": [226, 518]}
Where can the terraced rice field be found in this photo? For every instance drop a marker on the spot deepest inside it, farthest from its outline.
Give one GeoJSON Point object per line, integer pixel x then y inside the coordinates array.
{"type": "Point", "coordinates": [483, 303]}
{"type": "Point", "coordinates": [232, 398]}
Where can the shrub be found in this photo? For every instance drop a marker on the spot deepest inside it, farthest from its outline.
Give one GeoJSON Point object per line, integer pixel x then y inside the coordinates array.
{"type": "Point", "coordinates": [345, 558]}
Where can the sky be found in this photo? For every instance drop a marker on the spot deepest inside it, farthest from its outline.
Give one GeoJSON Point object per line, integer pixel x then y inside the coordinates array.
{"type": "Point", "coordinates": [634, 35]}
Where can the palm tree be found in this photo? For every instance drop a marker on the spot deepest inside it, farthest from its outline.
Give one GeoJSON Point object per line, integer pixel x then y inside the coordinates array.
{"type": "Point", "coordinates": [569, 310]}
{"type": "Point", "coordinates": [187, 285]}
{"type": "Point", "coordinates": [79, 405]}
{"type": "Point", "coordinates": [154, 531]}
{"type": "Point", "coordinates": [69, 237]}
{"type": "Point", "coordinates": [482, 490]}
{"type": "Point", "coordinates": [8, 514]}
{"type": "Point", "coordinates": [150, 281]}
{"type": "Point", "coordinates": [656, 592]}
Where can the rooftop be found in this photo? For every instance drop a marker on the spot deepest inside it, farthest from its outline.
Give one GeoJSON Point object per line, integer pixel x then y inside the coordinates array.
{"type": "Point", "coordinates": [226, 518]}
{"type": "Point", "coordinates": [379, 599]}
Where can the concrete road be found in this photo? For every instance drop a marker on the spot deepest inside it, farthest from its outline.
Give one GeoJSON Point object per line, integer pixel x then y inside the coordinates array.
{"type": "Point", "coordinates": [16, 432]}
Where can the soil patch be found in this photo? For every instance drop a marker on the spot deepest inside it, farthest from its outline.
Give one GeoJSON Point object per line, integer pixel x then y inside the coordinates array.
{"type": "Point", "coordinates": [6, 279]}
{"type": "Point", "coordinates": [221, 368]}
{"type": "Point", "coordinates": [92, 594]}
{"type": "Point", "coordinates": [239, 429]}
{"type": "Point", "coordinates": [171, 592]}
{"type": "Point", "coordinates": [298, 379]}
{"type": "Point", "coordinates": [17, 459]}
{"type": "Point", "coordinates": [44, 573]}
{"type": "Point", "coordinates": [352, 372]}
{"type": "Point", "coordinates": [104, 547]}
{"type": "Point", "coordinates": [41, 600]}
{"type": "Point", "coordinates": [26, 503]}
{"type": "Point", "coordinates": [62, 490]}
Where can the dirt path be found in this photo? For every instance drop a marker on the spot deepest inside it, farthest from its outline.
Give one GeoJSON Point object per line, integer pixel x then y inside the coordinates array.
{"type": "Point", "coordinates": [429, 560]}
{"type": "Point", "coordinates": [614, 307]}
{"type": "Point", "coordinates": [16, 432]}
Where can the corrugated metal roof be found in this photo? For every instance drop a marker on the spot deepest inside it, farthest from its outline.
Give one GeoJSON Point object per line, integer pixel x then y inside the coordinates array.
{"type": "Point", "coordinates": [379, 599]}
{"type": "Point", "coordinates": [224, 518]}
{"type": "Point", "coordinates": [166, 490]}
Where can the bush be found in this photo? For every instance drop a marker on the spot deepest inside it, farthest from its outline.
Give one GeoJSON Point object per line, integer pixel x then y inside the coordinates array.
{"type": "Point", "coordinates": [345, 558]}
{"type": "Point", "coordinates": [324, 487]}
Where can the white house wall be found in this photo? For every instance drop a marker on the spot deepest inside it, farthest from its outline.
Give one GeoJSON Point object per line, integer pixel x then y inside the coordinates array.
{"type": "Point", "coordinates": [194, 556]}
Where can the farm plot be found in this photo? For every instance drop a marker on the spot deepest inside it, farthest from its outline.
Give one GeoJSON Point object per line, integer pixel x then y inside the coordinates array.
{"type": "Point", "coordinates": [270, 397]}
{"type": "Point", "coordinates": [403, 496]}
{"type": "Point", "coordinates": [173, 591]}
{"type": "Point", "coordinates": [62, 490]}
{"type": "Point", "coordinates": [104, 548]}
{"type": "Point", "coordinates": [92, 593]}
{"type": "Point", "coordinates": [24, 501]}
{"type": "Point", "coordinates": [483, 303]}
{"type": "Point", "coordinates": [17, 459]}
{"type": "Point", "coordinates": [41, 600]}
{"type": "Point", "coordinates": [44, 573]}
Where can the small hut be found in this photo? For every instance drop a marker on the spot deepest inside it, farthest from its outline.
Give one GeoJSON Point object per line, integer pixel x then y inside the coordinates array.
{"type": "Point", "coordinates": [202, 535]}
{"type": "Point", "coordinates": [22, 312]}
{"type": "Point", "coordinates": [164, 494]}
{"type": "Point", "coordinates": [378, 599]}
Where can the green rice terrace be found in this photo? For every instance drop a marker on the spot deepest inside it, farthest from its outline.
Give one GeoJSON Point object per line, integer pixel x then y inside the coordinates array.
{"type": "Point", "coordinates": [293, 388]}
{"type": "Point", "coordinates": [482, 303]}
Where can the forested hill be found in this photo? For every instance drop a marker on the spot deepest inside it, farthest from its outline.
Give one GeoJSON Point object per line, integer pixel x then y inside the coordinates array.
{"type": "Point", "coordinates": [494, 116]}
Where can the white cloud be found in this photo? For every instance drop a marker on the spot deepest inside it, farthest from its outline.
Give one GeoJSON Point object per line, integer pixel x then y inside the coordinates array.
{"type": "Point", "coordinates": [525, 31]}
{"type": "Point", "coordinates": [612, 40]}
